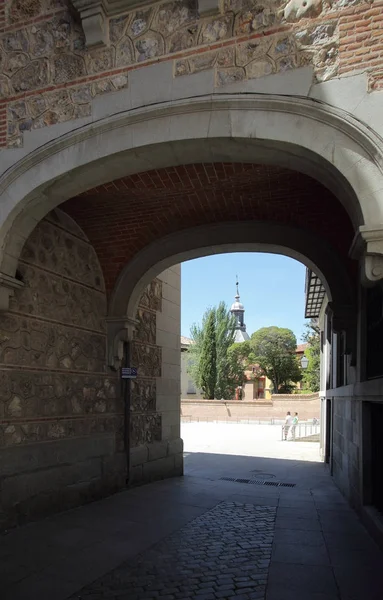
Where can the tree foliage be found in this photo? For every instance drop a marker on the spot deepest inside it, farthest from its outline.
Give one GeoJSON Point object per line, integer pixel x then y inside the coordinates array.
{"type": "Point", "coordinates": [208, 359]}
{"type": "Point", "coordinates": [274, 349]}
{"type": "Point", "coordinates": [201, 372]}
{"type": "Point", "coordinates": [311, 375]}
{"type": "Point", "coordinates": [240, 357]}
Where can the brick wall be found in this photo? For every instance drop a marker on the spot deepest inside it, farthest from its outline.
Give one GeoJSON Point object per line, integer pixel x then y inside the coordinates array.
{"type": "Point", "coordinates": [361, 42]}
{"type": "Point", "coordinates": [122, 217]}
{"type": "Point", "coordinates": [218, 410]}
{"type": "Point", "coordinates": [48, 75]}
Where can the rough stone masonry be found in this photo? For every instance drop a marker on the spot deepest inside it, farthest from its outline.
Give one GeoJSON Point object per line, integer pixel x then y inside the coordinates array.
{"type": "Point", "coordinates": [50, 72]}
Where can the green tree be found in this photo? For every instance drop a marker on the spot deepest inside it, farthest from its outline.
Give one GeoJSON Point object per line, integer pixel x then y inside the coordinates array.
{"type": "Point", "coordinates": [311, 375]}
{"type": "Point", "coordinates": [208, 358]}
{"type": "Point", "coordinates": [274, 349]}
{"type": "Point", "coordinates": [240, 357]}
{"type": "Point", "coordinates": [224, 324]}
{"type": "Point", "coordinates": [225, 336]}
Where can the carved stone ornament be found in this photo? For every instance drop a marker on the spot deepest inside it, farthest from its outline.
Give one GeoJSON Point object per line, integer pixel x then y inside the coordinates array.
{"type": "Point", "coordinates": [8, 285]}
{"type": "Point", "coordinates": [94, 15]}
{"type": "Point", "coordinates": [119, 330]}
{"type": "Point", "coordinates": [368, 248]}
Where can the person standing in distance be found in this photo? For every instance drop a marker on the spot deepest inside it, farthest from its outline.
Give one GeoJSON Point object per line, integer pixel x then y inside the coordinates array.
{"type": "Point", "coordinates": [288, 423]}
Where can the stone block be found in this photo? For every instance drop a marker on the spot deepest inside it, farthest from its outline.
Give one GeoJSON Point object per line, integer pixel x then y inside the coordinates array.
{"type": "Point", "coordinates": [165, 402]}
{"type": "Point", "coordinates": [178, 464]}
{"type": "Point", "coordinates": [115, 464]}
{"type": "Point", "coordinates": [171, 277]}
{"type": "Point", "coordinates": [157, 450]}
{"type": "Point", "coordinates": [145, 429]}
{"type": "Point", "coordinates": [168, 387]}
{"type": "Point", "coordinates": [139, 455]}
{"type": "Point", "coordinates": [136, 475]}
{"type": "Point", "coordinates": [175, 446]}
{"type": "Point", "coordinates": [22, 487]}
{"type": "Point", "coordinates": [168, 323]}
{"type": "Point", "coordinates": [29, 457]}
{"type": "Point", "coordinates": [168, 340]}
{"type": "Point", "coordinates": [171, 356]}
{"type": "Point", "coordinates": [171, 293]}
{"type": "Point", "coordinates": [159, 469]}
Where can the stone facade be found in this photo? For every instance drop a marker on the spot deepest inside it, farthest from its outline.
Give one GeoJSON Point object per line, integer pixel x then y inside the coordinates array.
{"type": "Point", "coordinates": [61, 408]}
{"type": "Point", "coordinates": [48, 75]}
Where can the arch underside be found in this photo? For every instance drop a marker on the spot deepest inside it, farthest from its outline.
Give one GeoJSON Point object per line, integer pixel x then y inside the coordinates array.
{"type": "Point", "coordinates": [298, 134]}
{"type": "Point", "coordinates": [222, 238]}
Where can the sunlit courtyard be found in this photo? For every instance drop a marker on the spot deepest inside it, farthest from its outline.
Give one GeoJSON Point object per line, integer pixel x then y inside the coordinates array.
{"type": "Point", "coordinates": [246, 440]}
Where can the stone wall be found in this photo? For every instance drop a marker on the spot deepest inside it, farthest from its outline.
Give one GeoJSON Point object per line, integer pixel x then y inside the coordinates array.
{"type": "Point", "coordinates": [218, 410]}
{"type": "Point", "coordinates": [347, 438]}
{"type": "Point", "coordinates": [156, 392]}
{"type": "Point", "coordinates": [48, 75]}
{"type": "Point", "coordinates": [61, 409]}
{"type": "Point", "coordinates": [61, 428]}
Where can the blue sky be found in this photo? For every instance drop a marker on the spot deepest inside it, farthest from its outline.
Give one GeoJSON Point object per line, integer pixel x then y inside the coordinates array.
{"type": "Point", "coordinates": [271, 288]}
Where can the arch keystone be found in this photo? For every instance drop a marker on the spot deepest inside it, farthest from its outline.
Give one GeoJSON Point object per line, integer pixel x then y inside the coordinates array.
{"type": "Point", "coordinates": [368, 248]}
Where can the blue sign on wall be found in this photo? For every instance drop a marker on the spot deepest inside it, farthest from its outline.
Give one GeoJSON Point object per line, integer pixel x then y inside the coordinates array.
{"type": "Point", "coordinates": [128, 373]}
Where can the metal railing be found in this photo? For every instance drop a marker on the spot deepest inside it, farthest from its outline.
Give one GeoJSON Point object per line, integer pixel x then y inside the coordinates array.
{"type": "Point", "coordinates": [280, 422]}
{"type": "Point", "coordinates": [302, 430]}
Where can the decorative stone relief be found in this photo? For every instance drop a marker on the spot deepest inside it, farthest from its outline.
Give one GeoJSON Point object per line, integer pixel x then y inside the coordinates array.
{"type": "Point", "coordinates": [145, 429]}
{"type": "Point", "coordinates": [147, 359]}
{"type": "Point", "coordinates": [59, 251]}
{"type": "Point", "coordinates": [256, 18]}
{"type": "Point", "coordinates": [317, 46]}
{"type": "Point", "coordinates": [143, 395]}
{"type": "Point", "coordinates": [57, 107]}
{"type": "Point", "coordinates": [41, 344]}
{"type": "Point", "coordinates": [46, 295]}
{"type": "Point", "coordinates": [298, 9]}
{"type": "Point", "coordinates": [152, 296]}
{"type": "Point", "coordinates": [146, 327]}
{"type": "Point", "coordinates": [61, 51]}
{"type": "Point", "coordinates": [31, 432]}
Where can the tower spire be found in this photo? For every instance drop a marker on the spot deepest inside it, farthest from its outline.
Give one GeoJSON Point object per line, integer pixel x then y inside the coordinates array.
{"type": "Point", "coordinates": [238, 310]}
{"type": "Point", "coordinates": [237, 284]}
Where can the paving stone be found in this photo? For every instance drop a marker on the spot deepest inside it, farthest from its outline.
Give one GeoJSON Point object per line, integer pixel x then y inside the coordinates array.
{"type": "Point", "coordinates": [223, 553]}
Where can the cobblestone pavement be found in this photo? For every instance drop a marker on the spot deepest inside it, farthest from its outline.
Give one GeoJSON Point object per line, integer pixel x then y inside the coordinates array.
{"type": "Point", "coordinates": [224, 553]}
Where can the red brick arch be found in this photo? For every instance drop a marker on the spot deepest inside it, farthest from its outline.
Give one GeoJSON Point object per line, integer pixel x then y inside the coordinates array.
{"type": "Point", "coordinates": [123, 216]}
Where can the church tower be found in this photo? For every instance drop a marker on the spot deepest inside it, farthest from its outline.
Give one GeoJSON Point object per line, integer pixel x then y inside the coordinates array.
{"type": "Point", "coordinates": [238, 310]}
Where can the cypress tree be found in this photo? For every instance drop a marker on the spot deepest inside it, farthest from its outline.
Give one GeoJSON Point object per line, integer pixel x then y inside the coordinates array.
{"type": "Point", "coordinates": [208, 358]}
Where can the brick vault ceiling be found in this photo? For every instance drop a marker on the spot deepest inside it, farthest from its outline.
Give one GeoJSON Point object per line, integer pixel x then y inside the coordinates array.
{"type": "Point", "coordinates": [123, 216]}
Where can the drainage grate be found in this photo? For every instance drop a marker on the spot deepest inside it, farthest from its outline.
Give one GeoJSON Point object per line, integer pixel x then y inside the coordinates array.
{"type": "Point", "coordinates": [258, 482]}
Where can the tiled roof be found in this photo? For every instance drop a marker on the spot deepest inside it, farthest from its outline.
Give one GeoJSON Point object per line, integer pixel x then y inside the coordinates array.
{"type": "Point", "coordinates": [185, 341]}
{"type": "Point", "coordinates": [301, 347]}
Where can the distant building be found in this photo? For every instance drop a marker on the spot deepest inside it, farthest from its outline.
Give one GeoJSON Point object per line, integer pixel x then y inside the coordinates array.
{"type": "Point", "coordinates": [238, 310]}
{"type": "Point", "coordinates": [188, 389]}
{"type": "Point", "coordinates": [257, 385]}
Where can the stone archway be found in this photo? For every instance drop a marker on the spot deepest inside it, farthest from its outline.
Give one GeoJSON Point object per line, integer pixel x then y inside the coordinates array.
{"type": "Point", "coordinates": [313, 138]}
{"type": "Point", "coordinates": [262, 142]}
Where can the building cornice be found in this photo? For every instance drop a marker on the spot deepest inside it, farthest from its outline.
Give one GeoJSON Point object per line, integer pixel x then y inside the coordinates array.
{"type": "Point", "coordinates": [94, 15]}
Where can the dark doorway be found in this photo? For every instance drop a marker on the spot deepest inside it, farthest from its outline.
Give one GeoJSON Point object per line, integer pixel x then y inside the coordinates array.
{"type": "Point", "coordinates": [377, 455]}
{"type": "Point", "coordinates": [328, 431]}
{"type": "Point", "coordinates": [374, 342]}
